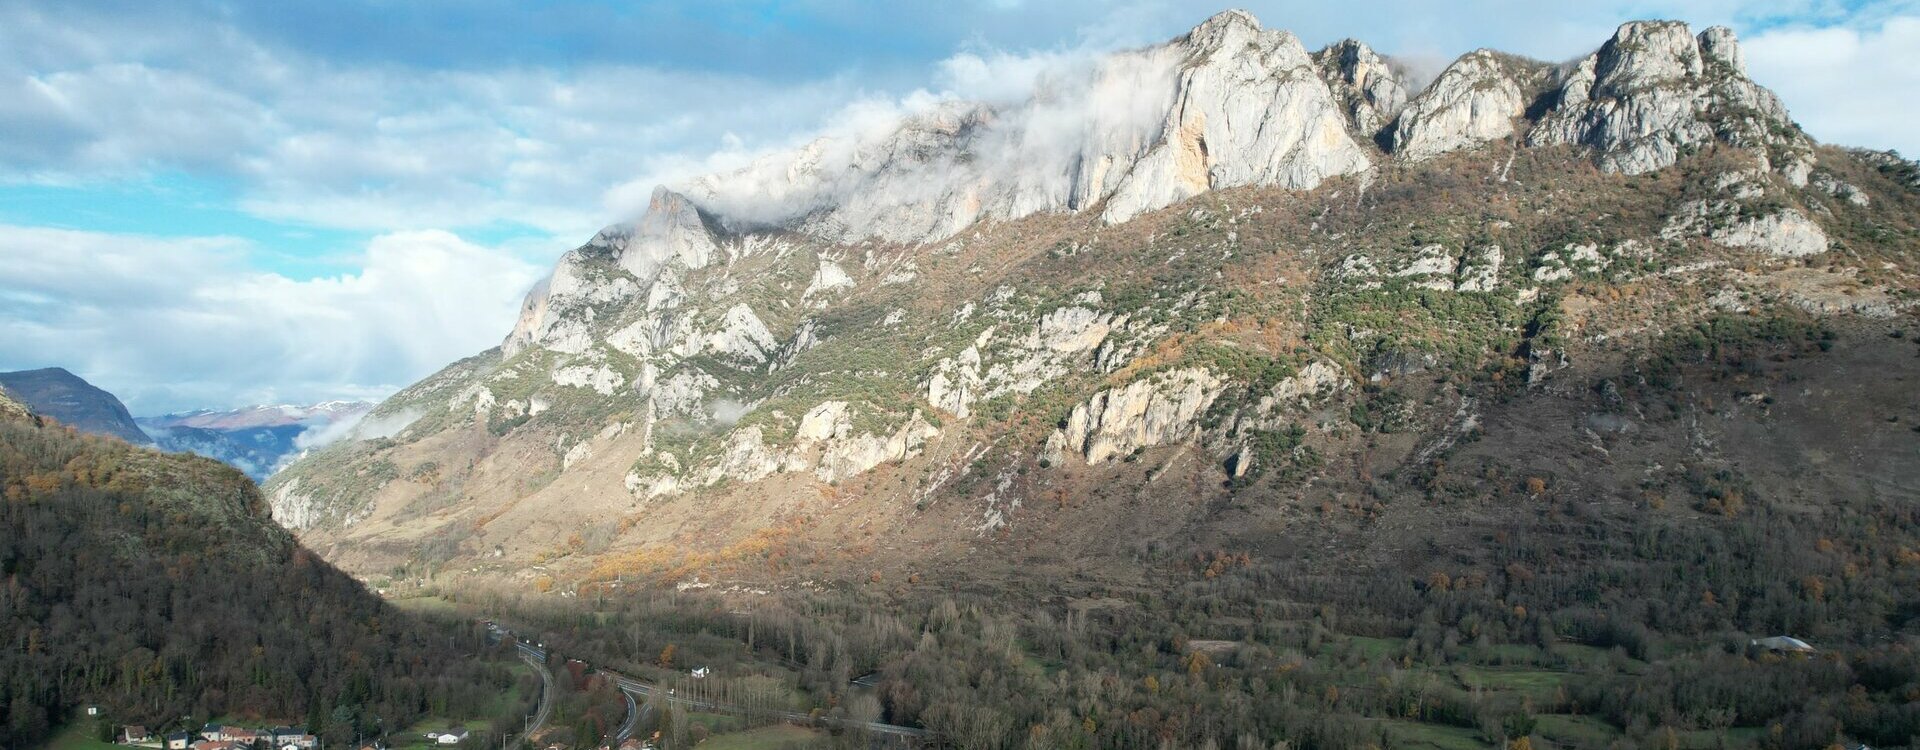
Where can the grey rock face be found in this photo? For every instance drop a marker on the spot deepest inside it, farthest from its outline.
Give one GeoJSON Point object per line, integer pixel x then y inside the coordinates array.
{"type": "Point", "coordinates": [1158, 410]}
{"type": "Point", "coordinates": [1249, 110]}
{"type": "Point", "coordinates": [1363, 83]}
{"type": "Point", "coordinates": [1476, 99]}
{"type": "Point", "coordinates": [557, 313]}
{"type": "Point", "coordinates": [1229, 104]}
{"type": "Point", "coordinates": [671, 232]}
{"type": "Point", "coordinates": [1655, 91]}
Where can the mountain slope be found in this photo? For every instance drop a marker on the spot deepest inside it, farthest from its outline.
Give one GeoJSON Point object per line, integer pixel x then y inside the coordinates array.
{"type": "Point", "coordinates": [156, 586]}
{"type": "Point", "coordinates": [1276, 291]}
{"type": "Point", "coordinates": [54, 392]}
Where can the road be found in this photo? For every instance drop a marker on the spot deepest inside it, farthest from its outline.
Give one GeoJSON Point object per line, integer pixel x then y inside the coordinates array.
{"type": "Point", "coordinates": [637, 691]}
{"type": "Point", "coordinates": [633, 719]}
{"type": "Point", "coordinates": [536, 657]}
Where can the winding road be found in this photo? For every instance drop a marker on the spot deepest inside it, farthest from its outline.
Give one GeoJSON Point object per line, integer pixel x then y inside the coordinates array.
{"type": "Point", "coordinates": [636, 692]}
{"type": "Point", "coordinates": [536, 657]}
{"type": "Point", "coordinates": [635, 689]}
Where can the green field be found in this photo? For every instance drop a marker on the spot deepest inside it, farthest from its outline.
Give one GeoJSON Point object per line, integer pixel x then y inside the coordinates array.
{"type": "Point", "coordinates": [78, 736]}
{"type": "Point", "coordinates": [1533, 683]}
{"type": "Point", "coordinates": [1582, 731]}
{"type": "Point", "coordinates": [1413, 735]}
{"type": "Point", "coordinates": [1375, 648]}
{"type": "Point", "coordinates": [426, 605]}
{"type": "Point", "coordinates": [766, 738]}
{"type": "Point", "coordinates": [717, 724]}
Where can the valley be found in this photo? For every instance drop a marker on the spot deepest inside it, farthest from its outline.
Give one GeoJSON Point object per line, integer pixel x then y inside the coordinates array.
{"type": "Point", "coordinates": [1219, 393]}
{"type": "Point", "coordinates": [1478, 445]}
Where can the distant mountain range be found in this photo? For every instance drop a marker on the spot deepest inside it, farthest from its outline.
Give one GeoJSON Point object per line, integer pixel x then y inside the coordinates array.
{"type": "Point", "coordinates": [64, 396]}
{"type": "Point", "coordinates": [254, 439]}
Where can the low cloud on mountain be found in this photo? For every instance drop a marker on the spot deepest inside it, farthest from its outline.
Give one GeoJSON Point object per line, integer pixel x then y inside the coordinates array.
{"type": "Point", "coordinates": [423, 151]}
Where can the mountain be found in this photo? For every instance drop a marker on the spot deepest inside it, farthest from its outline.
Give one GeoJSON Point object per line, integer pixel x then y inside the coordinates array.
{"type": "Point", "coordinates": [54, 392]}
{"type": "Point", "coordinates": [256, 439]}
{"type": "Point", "coordinates": [1221, 293]}
{"type": "Point", "coordinates": [156, 586]}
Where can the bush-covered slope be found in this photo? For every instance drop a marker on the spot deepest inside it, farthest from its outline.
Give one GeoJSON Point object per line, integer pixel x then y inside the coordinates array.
{"type": "Point", "coordinates": [157, 586]}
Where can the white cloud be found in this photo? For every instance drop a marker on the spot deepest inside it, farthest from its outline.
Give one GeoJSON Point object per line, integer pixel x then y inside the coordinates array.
{"type": "Point", "coordinates": [380, 147]}
{"type": "Point", "coordinates": [363, 426]}
{"type": "Point", "coordinates": [372, 148]}
{"type": "Point", "coordinates": [1849, 86]}
{"type": "Point", "coordinates": [169, 324]}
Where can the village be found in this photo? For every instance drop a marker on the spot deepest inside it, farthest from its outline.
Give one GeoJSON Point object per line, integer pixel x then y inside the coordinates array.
{"type": "Point", "coordinates": [220, 737]}
{"type": "Point", "coordinates": [234, 737]}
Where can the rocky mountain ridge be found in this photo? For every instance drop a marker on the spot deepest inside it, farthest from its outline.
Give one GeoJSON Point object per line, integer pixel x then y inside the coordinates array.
{"type": "Point", "coordinates": [1250, 268]}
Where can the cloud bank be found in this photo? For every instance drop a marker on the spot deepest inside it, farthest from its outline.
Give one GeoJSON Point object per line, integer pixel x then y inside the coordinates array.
{"type": "Point", "coordinates": [169, 324]}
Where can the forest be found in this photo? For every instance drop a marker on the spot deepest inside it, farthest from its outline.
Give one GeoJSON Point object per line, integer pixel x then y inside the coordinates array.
{"type": "Point", "coordinates": [156, 587]}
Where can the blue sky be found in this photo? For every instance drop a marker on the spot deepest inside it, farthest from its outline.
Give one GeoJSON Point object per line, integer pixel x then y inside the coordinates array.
{"type": "Point", "coordinates": [209, 204]}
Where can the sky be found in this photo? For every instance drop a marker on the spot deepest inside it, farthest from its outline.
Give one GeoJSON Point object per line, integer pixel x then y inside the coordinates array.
{"type": "Point", "coordinates": [213, 204]}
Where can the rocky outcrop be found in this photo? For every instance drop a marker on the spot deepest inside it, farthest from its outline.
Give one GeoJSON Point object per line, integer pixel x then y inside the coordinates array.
{"type": "Point", "coordinates": [1476, 99]}
{"type": "Point", "coordinates": [13, 411]}
{"type": "Point", "coordinates": [1229, 104]}
{"type": "Point", "coordinates": [1482, 273]}
{"type": "Point", "coordinates": [1058, 341]}
{"type": "Point", "coordinates": [671, 233]}
{"type": "Point", "coordinates": [1432, 268]}
{"type": "Point", "coordinates": [1249, 109]}
{"type": "Point", "coordinates": [601, 379]}
{"type": "Point", "coordinates": [1363, 83]}
{"type": "Point", "coordinates": [741, 337]}
{"type": "Point", "coordinates": [1156, 410]}
{"type": "Point", "coordinates": [557, 313]}
{"type": "Point", "coordinates": [825, 444]}
{"type": "Point", "coordinates": [1655, 91]}
{"type": "Point", "coordinates": [828, 278]}
{"type": "Point", "coordinates": [1312, 381]}
{"type": "Point", "coordinates": [1787, 234]}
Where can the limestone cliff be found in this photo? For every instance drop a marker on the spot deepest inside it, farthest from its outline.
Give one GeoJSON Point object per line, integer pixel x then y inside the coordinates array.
{"type": "Point", "coordinates": [1655, 91]}
{"type": "Point", "coordinates": [1364, 84]}
{"type": "Point", "coordinates": [1479, 98]}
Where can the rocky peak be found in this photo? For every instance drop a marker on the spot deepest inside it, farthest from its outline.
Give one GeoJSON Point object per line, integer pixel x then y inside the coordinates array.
{"type": "Point", "coordinates": [1719, 45]}
{"type": "Point", "coordinates": [1225, 32]}
{"type": "Point", "coordinates": [1655, 91]}
{"type": "Point", "coordinates": [670, 232]}
{"type": "Point", "coordinates": [1476, 99]}
{"type": "Point", "coordinates": [1249, 108]}
{"type": "Point", "coordinates": [672, 235]}
{"type": "Point", "coordinates": [1642, 54]}
{"type": "Point", "coordinates": [1227, 104]}
{"type": "Point", "coordinates": [1364, 84]}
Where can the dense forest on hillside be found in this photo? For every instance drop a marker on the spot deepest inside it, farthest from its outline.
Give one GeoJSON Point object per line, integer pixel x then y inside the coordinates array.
{"type": "Point", "coordinates": [157, 587]}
